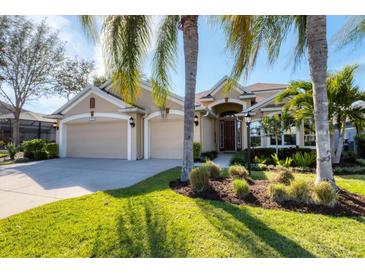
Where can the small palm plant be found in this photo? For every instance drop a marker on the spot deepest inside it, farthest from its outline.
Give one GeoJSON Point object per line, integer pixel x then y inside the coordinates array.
{"type": "Point", "coordinates": [284, 163]}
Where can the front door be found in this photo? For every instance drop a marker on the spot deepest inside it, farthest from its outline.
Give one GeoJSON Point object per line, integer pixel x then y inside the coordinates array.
{"type": "Point", "coordinates": [229, 135]}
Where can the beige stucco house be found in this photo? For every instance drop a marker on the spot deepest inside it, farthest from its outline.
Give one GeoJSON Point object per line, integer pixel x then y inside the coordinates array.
{"type": "Point", "coordinates": [99, 124]}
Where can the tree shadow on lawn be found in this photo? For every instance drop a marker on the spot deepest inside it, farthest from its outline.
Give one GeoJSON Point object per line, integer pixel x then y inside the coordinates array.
{"type": "Point", "coordinates": [244, 228]}
{"type": "Point", "coordinates": [157, 182]}
{"type": "Point", "coordinates": [144, 230]}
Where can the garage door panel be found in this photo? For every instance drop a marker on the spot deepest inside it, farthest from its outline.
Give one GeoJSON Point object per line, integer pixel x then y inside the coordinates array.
{"type": "Point", "coordinates": [166, 138]}
{"type": "Point", "coordinates": [97, 140]}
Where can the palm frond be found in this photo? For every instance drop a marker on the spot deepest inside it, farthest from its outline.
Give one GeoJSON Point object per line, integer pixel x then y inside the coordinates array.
{"type": "Point", "coordinates": [352, 31]}
{"type": "Point", "coordinates": [242, 41]}
{"type": "Point", "coordinates": [164, 58]}
{"type": "Point", "coordinates": [125, 43]}
{"type": "Point", "coordinates": [300, 22]}
{"type": "Point", "coordinates": [88, 23]}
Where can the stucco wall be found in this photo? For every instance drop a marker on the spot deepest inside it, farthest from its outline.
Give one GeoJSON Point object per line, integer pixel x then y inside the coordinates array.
{"type": "Point", "coordinates": [208, 132]}
{"type": "Point", "coordinates": [101, 105]}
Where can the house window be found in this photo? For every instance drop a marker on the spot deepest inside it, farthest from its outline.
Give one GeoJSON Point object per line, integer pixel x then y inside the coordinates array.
{"type": "Point", "coordinates": [221, 134]}
{"type": "Point", "coordinates": [309, 133]}
{"type": "Point", "coordinates": [92, 102]}
{"type": "Point", "coordinates": [238, 134]}
{"type": "Point", "coordinates": [287, 138]}
{"type": "Point", "coordinates": [255, 133]}
{"type": "Point", "coordinates": [290, 135]}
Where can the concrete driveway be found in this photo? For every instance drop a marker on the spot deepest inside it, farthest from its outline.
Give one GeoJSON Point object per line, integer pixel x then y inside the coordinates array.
{"type": "Point", "coordinates": [24, 186]}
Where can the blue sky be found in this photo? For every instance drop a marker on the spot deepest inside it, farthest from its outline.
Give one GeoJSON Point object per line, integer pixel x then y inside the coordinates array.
{"type": "Point", "coordinates": [213, 61]}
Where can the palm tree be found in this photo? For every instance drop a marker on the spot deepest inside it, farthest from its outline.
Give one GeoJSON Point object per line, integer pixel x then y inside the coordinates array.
{"type": "Point", "coordinates": [125, 41]}
{"type": "Point", "coordinates": [341, 93]}
{"type": "Point", "coordinates": [246, 34]}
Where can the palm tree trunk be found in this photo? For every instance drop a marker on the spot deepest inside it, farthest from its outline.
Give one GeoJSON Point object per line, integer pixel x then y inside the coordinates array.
{"type": "Point", "coordinates": [339, 148]}
{"type": "Point", "coordinates": [189, 25]}
{"type": "Point", "coordinates": [317, 57]}
{"type": "Point", "coordinates": [333, 148]}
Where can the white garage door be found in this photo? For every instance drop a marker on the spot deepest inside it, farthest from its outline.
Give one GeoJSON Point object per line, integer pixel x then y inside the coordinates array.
{"type": "Point", "coordinates": [166, 137]}
{"type": "Point", "coordinates": [97, 139]}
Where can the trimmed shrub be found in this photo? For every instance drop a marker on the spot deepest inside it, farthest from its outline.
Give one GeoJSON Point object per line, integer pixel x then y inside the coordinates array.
{"type": "Point", "coordinates": [40, 155]}
{"type": "Point", "coordinates": [208, 156]}
{"type": "Point", "coordinates": [300, 191]}
{"type": "Point", "coordinates": [360, 162]}
{"type": "Point", "coordinates": [197, 150]}
{"type": "Point", "coordinates": [348, 157]}
{"type": "Point", "coordinates": [32, 147]}
{"type": "Point", "coordinates": [11, 148]}
{"type": "Point", "coordinates": [304, 159]}
{"type": "Point", "coordinates": [324, 194]}
{"type": "Point", "coordinates": [199, 179]}
{"type": "Point", "coordinates": [237, 171]}
{"type": "Point", "coordinates": [278, 192]}
{"type": "Point", "coordinates": [240, 187]}
{"type": "Point", "coordinates": [52, 150]}
{"type": "Point", "coordinates": [360, 143]}
{"type": "Point", "coordinates": [2, 143]}
{"type": "Point", "coordinates": [238, 158]}
{"type": "Point", "coordinates": [213, 169]}
{"type": "Point", "coordinates": [22, 160]}
{"type": "Point", "coordinates": [349, 170]}
{"type": "Point", "coordinates": [284, 176]}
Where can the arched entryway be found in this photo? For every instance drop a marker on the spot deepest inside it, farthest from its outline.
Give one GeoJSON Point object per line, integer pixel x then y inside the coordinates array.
{"type": "Point", "coordinates": [229, 126]}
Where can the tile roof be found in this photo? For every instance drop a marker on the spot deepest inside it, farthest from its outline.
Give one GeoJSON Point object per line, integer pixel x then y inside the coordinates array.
{"type": "Point", "coordinates": [265, 86]}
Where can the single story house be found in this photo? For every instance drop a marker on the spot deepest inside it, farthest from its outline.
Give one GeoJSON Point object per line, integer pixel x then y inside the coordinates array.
{"type": "Point", "coordinates": [31, 125]}
{"type": "Point", "coordinates": [98, 123]}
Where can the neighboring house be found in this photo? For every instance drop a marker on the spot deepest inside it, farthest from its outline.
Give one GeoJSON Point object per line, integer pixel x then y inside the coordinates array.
{"type": "Point", "coordinates": [32, 125]}
{"type": "Point", "coordinates": [99, 124]}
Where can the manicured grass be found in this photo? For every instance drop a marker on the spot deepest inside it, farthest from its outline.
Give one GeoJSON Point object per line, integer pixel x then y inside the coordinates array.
{"type": "Point", "coordinates": [352, 183]}
{"type": "Point", "coordinates": [4, 163]}
{"type": "Point", "coordinates": [150, 220]}
{"type": "Point", "coordinates": [3, 155]}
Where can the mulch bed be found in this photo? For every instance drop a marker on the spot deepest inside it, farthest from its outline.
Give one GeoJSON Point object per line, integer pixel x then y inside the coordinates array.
{"type": "Point", "coordinates": [349, 204]}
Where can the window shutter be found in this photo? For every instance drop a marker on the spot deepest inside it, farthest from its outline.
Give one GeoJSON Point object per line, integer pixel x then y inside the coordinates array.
{"type": "Point", "coordinates": [92, 102]}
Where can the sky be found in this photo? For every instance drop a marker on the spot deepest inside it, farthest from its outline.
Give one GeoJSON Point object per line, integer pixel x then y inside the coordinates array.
{"type": "Point", "coordinates": [214, 61]}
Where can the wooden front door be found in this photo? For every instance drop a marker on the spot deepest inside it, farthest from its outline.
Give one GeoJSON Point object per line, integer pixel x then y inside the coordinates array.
{"type": "Point", "coordinates": [229, 135]}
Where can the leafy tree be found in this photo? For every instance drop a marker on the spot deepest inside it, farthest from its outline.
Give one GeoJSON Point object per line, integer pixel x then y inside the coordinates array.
{"type": "Point", "coordinates": [247, 34]}
{"type": "Point", "coordinates": [125, 41]}
{"type": "Point", "coordinates": [31, 55]}
{"type": "Point", "coordinates": [342, 94]}
{"type": "Point", "coordinates": [4, 25]}
{"type": "Point", "coordinates": [72, 76]}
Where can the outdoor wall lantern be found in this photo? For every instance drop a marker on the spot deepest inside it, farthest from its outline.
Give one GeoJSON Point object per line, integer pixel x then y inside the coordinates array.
{"type": "Point", "coordinates": [92, 117]}
{"type": "Point", "coordinates": [196, 120]}
{"type": "Point", "coordinates": [248, 119]}
{"type": "Point", "coordinates": [131, 122]}
{"type": "Point", "coordinates": [55, 125]}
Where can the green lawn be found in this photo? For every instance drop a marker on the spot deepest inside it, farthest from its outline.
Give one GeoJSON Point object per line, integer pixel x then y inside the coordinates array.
{"type": "Point", "coordinates": [3, 155]}
{"type": "Point", "coordinates": [4, 163]}
{"type": "Point", "coordinates": [352, 183]}
{"type": "Point", "coordinates": [150, 220]}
